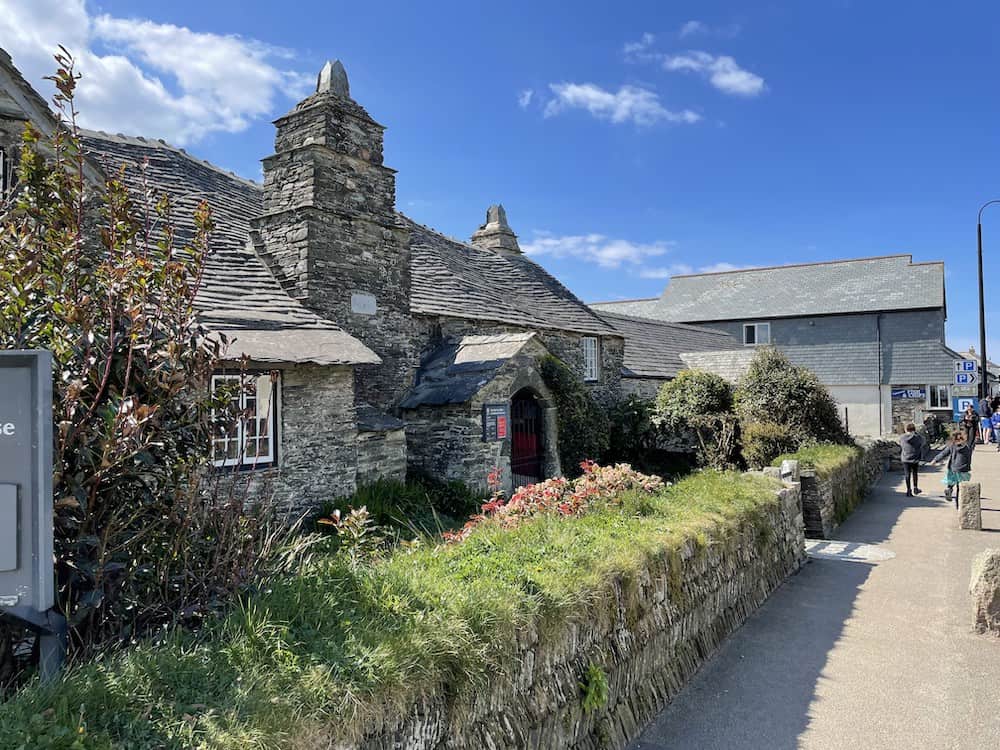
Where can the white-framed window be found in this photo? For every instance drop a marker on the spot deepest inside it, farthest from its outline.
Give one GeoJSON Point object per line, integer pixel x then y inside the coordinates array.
{"type": "Point", "coordinates": [756, 334]}
{"type": "Point", "coordinates": [591, 358]}
{"type": "Point", "coordinates": [244, 435]}
{"type": "Point", "coordinates": [8, 175]}
{"type": "Point", "coordinates": [938, 397]}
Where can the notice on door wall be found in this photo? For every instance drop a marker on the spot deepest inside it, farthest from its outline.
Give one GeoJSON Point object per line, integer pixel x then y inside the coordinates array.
{"type": "Point", "coordinates": [496, 421]}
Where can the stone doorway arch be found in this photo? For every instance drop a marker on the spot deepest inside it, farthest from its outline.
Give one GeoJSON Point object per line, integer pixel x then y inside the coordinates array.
{"type": "Point", "coordinates": [527, 435]}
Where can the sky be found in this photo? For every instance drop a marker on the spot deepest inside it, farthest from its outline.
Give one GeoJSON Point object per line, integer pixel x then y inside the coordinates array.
{"type": "Point", "coordinates": [628, 141]}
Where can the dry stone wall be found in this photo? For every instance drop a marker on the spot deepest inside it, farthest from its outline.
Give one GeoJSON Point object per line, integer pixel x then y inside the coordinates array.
{"type": "Point", "coordinates": [648, 636]}
{"type": "Point", "coordinates": [828, 500]}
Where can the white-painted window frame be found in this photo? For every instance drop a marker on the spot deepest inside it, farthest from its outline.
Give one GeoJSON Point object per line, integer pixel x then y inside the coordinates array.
{"type": "Point", "coordinates": [757, 327]}
{"type": "Point", "coordinates": [253, 427]}
{"type": "Point", "coordinates": [931, 390]}
{"type": "Point", "coordinates": [591, 347]}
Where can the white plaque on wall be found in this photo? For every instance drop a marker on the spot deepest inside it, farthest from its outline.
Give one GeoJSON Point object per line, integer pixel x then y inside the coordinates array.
{"type": "Point", "coordinates": [363, 304]}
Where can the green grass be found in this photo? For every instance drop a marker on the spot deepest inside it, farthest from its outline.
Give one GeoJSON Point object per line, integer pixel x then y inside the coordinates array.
{"type": "Point", "coordinates": [330, 649]}
{"type": "Point", "coordinates": [823, 457]}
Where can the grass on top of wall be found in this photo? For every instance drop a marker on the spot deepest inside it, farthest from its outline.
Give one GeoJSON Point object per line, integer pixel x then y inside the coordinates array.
{"type": "Point", "coordinates": [825, 458]}
{"type": "Point", "coordinates": [325, 653]}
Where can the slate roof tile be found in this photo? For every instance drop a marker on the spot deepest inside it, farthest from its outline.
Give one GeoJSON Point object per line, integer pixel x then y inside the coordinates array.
{"type": "Point", "coordinates": [653, 348]}
{"type": "Point", "coordinates": [892, 282]}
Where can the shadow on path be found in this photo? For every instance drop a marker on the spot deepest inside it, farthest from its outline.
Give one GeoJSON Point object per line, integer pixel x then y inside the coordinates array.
{"type": "Point", "coordinates": [756, 693]}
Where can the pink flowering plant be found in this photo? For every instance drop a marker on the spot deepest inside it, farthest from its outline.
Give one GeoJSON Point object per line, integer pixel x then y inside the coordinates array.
{"type": "Point", "coordinates": [598, 486]}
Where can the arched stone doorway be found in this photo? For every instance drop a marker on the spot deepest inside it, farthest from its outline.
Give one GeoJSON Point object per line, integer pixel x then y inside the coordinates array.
{"type": "Point", "coordinates": [527, 433]}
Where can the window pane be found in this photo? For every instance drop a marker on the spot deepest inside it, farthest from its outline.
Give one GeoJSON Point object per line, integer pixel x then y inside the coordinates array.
{"type": "Point", "coordinates": [749, 335]}
{"type": "Point", "coordinates": [763, 333]}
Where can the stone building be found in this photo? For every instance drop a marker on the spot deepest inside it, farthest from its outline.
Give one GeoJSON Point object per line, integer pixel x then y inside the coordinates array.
{"type": "Point", "coordinates": [872, 329]}
{"type": "Point", "coordinates": [368, 343]}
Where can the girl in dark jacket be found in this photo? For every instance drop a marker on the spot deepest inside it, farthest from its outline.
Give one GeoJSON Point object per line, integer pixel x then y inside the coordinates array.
{"type": "Point", "coordinates": [959, 455]}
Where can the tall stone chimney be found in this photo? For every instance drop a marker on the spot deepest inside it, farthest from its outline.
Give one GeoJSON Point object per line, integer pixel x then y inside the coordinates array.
{"type": "Point", "coordinates": [330, 232]}
{"type": "Point", "coordinates": [496, 233]}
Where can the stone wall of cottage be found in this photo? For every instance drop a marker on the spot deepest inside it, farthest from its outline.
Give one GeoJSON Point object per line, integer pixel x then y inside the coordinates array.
{"type": "Point", "coordinates": [447, 443]}
{"type": "Point", "coordinates": [381, 455]}
{"type": "Point", "coordinates": [317, 442]}
{"type": "Point", "coordinates": [566, 345]}
{"type": "Point", "coordinates": [648, 634]}
{"type": "Point", "coordinates": [643, 388]}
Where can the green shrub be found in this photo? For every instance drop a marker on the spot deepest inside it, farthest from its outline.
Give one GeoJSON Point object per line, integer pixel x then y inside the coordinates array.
{"type": "Point", "coordinates": [774, 390]}
{"type": "Point", "coordinates": [633, 433]}
{"type": "Point", "coordinates": [594, 686]}
{"type": "Point", "coordinates": [418, 506]}
{"type": "Point", "coordinates": [700, 403]}
{"type": "Point", "coordinates": [763, 441]}
{"type": "Point", "coordinates": [692, 396]}
{"type": "Point", "coordinates": [583, 423]}
{"type": "Point", "coordinates": [140, 538]}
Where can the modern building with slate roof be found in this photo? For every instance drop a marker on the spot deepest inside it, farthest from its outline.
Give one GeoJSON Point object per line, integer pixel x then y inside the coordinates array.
{"type": "Point", "coordinates": [872, 329]}
{"type": "Point", "coordinates": [373, 344]}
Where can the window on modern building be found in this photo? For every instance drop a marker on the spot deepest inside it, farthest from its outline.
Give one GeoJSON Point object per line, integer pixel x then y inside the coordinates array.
{"type": "Point", "coordinates": [244, 433]}
{"type": "Point", "coordinates": [755, 334]}
{"type": "Point", "coordinates": [938, 397]}
{"type": "Point", "coordinates": [591, 359]}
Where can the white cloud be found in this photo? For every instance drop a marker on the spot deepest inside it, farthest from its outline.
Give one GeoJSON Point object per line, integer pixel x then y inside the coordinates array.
{"type": "Point", "coordinates": [147, 78]}
{"type": "Point", "coordinates": [525, 97]}
{"type": "Point", "coordinates": [637, 48]}
{"type": "Point", "coordinates": [629, 104]}
{"type": "Point", "coordinates": [721, 71]}
{"type": "Point", "coordinates": [693, 28]}
{"type": "Point", "coordinates": [684, 269]}
{"type": "Point", "coordinates": [600, 249]}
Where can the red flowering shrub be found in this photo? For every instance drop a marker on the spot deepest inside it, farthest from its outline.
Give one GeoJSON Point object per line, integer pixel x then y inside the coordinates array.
{"type": "Point", "coordinates": [597, 485]}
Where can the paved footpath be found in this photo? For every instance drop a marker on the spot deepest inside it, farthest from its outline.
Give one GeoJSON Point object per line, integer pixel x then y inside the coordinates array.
{"type": "Point", "coordinates": [870, 646]}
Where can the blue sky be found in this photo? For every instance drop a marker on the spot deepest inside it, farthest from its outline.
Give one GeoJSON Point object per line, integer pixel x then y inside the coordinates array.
{"type": "Point", "coordinates": [659, 137]}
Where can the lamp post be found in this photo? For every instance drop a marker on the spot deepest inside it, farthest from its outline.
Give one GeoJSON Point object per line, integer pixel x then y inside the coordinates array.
{"type": "Point", "coordinates": [984, 383]}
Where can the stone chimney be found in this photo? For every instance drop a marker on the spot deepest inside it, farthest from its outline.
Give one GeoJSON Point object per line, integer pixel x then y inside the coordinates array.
{"type": "Point", "coordinates": [330, 232]}
{"type": "Point", "coordinates": [496, 233]}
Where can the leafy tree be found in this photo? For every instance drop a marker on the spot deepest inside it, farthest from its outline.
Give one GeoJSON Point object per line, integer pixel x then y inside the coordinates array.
{"type": "Point", "coordinates": [773, 390]}
{"type": "Point", "coordinates": [140, 538]}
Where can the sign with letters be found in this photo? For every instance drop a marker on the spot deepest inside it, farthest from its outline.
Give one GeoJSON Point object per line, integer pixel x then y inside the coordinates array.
{"type": "Point", "coordinates": [958, 406]}
{"type": "Point", "coordinates": [26, 572]}
{"type": "Point", "coordinates": [966, 365]}
{"type": "Point", "coordinates": [496, 422]}
{"type": "Point", "coordinates": [898, 393]}
{"type": "Point", "coordinates": [966, 378]}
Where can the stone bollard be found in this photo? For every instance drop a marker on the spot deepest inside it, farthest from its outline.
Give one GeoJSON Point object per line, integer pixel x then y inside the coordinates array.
{"type": "Point", "coordinates": [970, 514]}
{"type": "Point", "coordinates": [985, 590]}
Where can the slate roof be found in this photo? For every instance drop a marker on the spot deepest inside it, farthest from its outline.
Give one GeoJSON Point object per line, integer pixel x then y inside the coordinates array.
{"type": "Point", "coordinates": [921, 362]}
{"type": "Point", "coordinates": [459, 368]}
{"type": "Point", "coordinates": [641, 308]}
{"type": "Point", "coordinates": [653, 348]}
{"type": "Point", "coordinates": [458, 280]}
{"type": "Point", "coordinates": [239, 296]}
{"type": "Point", "coordinates": [892, 282]}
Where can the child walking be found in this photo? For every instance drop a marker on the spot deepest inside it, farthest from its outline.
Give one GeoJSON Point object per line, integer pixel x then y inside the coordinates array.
{"type": "Point", "coordinates": [913, 447]}
{"type": "Point", "coordinates": [958, 451]}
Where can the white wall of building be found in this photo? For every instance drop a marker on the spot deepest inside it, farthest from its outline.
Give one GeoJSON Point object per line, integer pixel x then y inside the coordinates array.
{"type": "Point", "coordinates": [863, 404]}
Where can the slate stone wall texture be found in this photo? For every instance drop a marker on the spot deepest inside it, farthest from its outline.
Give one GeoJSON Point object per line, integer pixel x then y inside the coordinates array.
{"type": "Point", "coordinates": [446, 441]}
{"type": "Point", "coordinates": [318, 441]}
{"type": "Point", "coordinates": [381, 455]}
{"type": "Point", "coordinates": [330, 233]}
{"type": "Point", "coordinates": [649, 636]}
{"type": "Point", "coordinates": [828, 501]}
{"type": "Point", "coordinates": [644, 388]}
